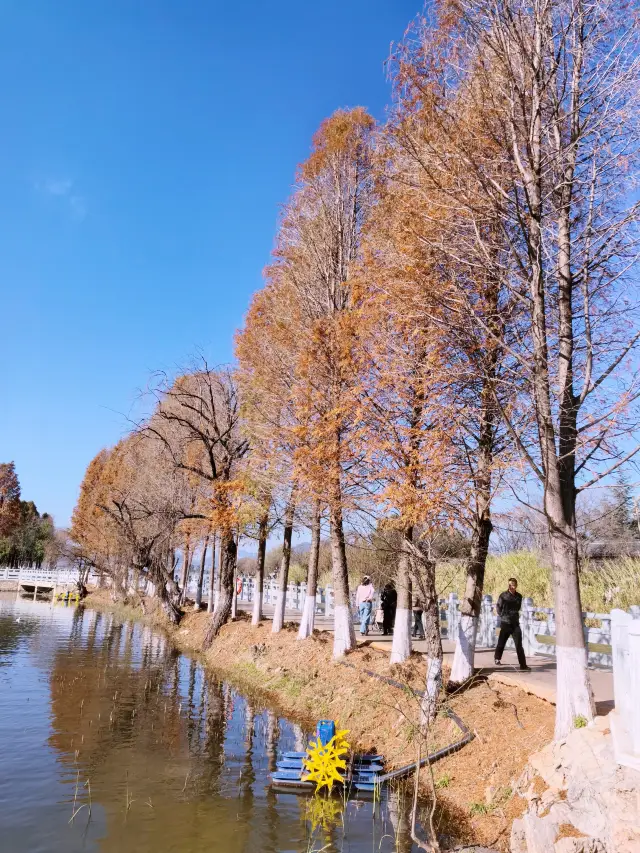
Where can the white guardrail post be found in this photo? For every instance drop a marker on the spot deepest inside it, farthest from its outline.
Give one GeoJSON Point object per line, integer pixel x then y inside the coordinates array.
{"type": "Point", "coordinates": [625, 719]}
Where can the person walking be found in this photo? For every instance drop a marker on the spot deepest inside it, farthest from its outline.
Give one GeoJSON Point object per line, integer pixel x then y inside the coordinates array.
{"type": "Point", "coordinates": [364, 602]}
{"type": "Point", "coordinates": [508, 608]}
{"type": "Point", "coordinates": [388, 603]}
{"type": "Point", "coordinates": [418, 628]}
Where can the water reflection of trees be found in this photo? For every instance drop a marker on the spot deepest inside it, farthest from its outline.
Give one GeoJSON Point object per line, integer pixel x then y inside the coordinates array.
{"type": "Point", "coordinates": [144, 723]}
{"type": "Point", "coordinates": [192, 756]}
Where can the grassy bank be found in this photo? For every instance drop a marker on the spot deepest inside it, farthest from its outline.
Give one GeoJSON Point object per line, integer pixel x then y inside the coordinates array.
{"type": "Point", "coordinates": [303, 681]}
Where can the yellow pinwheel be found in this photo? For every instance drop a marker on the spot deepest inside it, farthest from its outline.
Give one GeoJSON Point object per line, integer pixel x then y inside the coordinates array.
{"type": "Point", "coordinates": [325, 761]}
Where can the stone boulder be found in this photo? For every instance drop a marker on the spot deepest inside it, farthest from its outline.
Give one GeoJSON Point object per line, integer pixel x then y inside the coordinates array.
{"type": "Point", "coordinates": [579, 799]}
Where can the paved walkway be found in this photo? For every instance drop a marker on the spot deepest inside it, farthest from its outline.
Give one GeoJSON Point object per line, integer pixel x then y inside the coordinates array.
{"type": "Point", "coordinates": [541, 681]}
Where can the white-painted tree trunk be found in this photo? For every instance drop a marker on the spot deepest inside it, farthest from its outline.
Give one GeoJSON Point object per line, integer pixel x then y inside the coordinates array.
{"type": "Point", "coordinates": [218, 582]}
{"type": "Point", "coordinates": [258, 593]}
{"type": "Point", "coordinates": [401, 645]}
{"type": "Point", "coordinates": [344, 638]}
{"type": "Point", "coordinates": [463, 657]}
{"type": "Point", "coordinates": [211, 603]}
{"type": "Point", "coordinates": [234, 600]}
{"type": "Point", "coordinates": [574, 697]}
{"type": "Point", "coordinates": [308, 617]}
{"type": "Point", "coordinates": [283, 576]}
{"type": "Point", "coordinates": [203, 559]}
{"type": "Point", "coordinates": [429, 703]}
{"type": "Point", "coordinates": [256, 616]}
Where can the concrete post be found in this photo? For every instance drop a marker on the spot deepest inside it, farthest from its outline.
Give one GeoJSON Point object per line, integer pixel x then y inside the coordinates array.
{"type": "Point", "coordinates": [328, 601]}
{"type": "Point", "coordinates": [633, 707]}
{"type": "Point", "coordinates": [486, 628]}
{"type": "Point", "coordinates": [526, 626]}
{"type": "Point", "coordinates": [620, 653]}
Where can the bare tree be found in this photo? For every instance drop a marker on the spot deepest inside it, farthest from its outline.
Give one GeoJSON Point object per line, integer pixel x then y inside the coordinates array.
{"type": "Point", "coordinates": [197, 420]}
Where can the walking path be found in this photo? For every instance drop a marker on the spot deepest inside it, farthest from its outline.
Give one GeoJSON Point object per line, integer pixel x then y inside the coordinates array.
{"type": "Point", "coordinates": [541, 681]}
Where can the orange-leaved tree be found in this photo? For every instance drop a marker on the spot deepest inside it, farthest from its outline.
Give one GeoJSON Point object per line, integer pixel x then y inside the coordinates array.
{"type": "Point", "coordinates": [319, 246]}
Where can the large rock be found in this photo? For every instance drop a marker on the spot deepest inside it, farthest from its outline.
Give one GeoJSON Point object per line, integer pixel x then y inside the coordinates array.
{"type": "Point", "coordinates": [589, 799]}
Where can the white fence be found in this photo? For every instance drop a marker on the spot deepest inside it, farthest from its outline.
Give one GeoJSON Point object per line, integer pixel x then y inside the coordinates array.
{"type": "Point", "coordinates": [538, 629]}
{"type": "Point", "coordinates": [60, 577]}
{"type": "Point", "coordinates": [296, 594]}
{"type": "Point", "coordinates": [625, 720]}
{"type": "Point", "coordinates": [537, 623]}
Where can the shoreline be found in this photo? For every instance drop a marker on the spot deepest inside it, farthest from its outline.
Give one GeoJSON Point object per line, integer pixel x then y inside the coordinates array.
{"type": "Point", "coordinates": [300, 679]}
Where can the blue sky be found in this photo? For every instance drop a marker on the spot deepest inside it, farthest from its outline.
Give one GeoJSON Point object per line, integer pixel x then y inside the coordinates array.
{"type": "Point", "coordinates": [144, 153]}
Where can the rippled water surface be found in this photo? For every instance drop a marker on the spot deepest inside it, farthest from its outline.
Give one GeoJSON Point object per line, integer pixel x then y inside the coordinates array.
{"type": "Point", "coordinates": [110, 740]}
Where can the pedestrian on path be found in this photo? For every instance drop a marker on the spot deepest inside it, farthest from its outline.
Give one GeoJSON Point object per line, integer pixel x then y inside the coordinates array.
{"type": "Point", "coordinates": [418, 628]}
{"type": "Point", "coordinates": [508, 608]}
{"type": "Point", "coordinates": [388, 603]}
{"type": "Point", "coordinates": [364, 602]}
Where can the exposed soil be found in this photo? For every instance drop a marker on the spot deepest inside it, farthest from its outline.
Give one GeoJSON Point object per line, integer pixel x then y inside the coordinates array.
{"type": "Point", "coordinates": [474, 786]}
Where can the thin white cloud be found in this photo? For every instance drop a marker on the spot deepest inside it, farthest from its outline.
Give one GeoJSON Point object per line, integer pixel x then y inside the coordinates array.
{"type": "Point", "coordinates": [54, 186]}
{"type": "Point", "coordinates": [63, 189]}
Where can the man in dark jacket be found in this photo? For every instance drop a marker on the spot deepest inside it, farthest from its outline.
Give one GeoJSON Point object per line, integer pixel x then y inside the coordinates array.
{"type": "Point", "coordinates": [388, 603]}
{"type": "Point", "coordinates": [508, 608]}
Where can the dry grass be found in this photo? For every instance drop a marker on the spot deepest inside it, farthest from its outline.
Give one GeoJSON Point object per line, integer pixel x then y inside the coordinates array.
{"type": "Point", "coordinates": [614, 583]}
{"type": "Point", "coordinates": [568, 830]}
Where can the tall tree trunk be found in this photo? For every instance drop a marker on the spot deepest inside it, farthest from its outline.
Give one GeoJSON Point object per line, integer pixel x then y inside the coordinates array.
{"type": "Point", "coordinates": [464, 655]}
{"type": "Point", "coordinates": [212, 577]}
{"type": "Point", "coordinates": [186, 569]}
{"type": "Point", "coordinates": [234, 597]}
{"type": "Point", "coordinates": [574, 697]}
{"type": "Point", "coordinates": [344, 636]}
{"type": "Point", "coordinates": [169, 593]}
{"type": "Point", "coordinates": [203, 560]}
{"type": "Point", "coordinates": [307, 620]}
{"type": "Point", "coordinates": [283, 575]}
{"type": "Point", "coordinates": [401, 645]}
{"type": "Point", "coordinates": [259, 583]}
{"type": "Point", "coordinates": [463, 658]}
{"type": "Point", "coordinates": [218, 580]}
{"type": "Point", "coordinates": [228, 556]}
{"type": "Point", "coordinates": [426, 578]}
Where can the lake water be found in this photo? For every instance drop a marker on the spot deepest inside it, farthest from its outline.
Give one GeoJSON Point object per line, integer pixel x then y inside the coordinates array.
{"type": "Point", "coordinates": [110, 740]}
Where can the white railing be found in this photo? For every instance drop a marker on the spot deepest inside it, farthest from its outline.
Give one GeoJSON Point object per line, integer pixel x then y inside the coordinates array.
{"type": "Point", "coordinates": [60, 577]}
{"type": "Point", "coordinates": [625, 720]}
{"type": "Point", "coordinates": [537, 623]}
{"type": "Point", "coordinates": [296, 594]}
{"type": "Point", "coordinates": [538, 629]}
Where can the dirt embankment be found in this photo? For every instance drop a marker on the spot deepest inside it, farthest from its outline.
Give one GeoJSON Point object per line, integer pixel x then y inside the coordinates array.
{"type": "Point", "coordinates": [474, 786]}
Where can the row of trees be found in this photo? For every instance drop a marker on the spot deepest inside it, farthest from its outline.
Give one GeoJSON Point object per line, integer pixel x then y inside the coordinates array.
{"type": "Point", "coordinates": [450, 312]}
{"type": "Point", "coordinates": [26, 537]}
